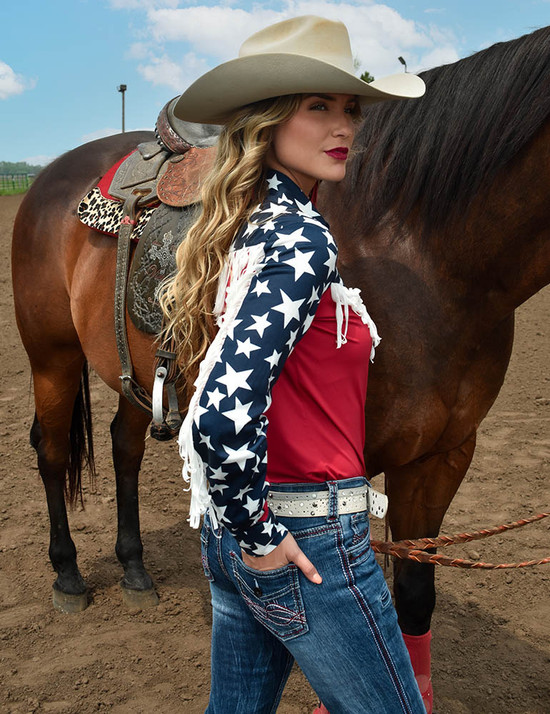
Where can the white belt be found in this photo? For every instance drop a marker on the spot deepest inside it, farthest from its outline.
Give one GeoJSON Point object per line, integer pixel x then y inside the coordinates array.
{"type": "Point", "coordinates": [315, 503]}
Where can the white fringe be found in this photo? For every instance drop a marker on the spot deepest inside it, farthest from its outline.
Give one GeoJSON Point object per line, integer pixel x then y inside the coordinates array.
{"type": "Point", "coordinates": [351, 297]}
{"type": "Point", "coordinates": [241, 266]}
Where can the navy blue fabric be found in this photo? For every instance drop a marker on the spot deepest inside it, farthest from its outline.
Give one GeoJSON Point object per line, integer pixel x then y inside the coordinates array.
{"type": "Point", "coordinates": [230, 427]}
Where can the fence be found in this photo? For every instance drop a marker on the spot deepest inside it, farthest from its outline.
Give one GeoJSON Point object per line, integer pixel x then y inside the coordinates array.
{"type": "Point", "coordinates": [15, 183]}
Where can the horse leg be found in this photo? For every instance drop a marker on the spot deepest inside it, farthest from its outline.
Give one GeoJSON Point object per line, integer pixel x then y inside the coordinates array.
{"type": "Point", "coordinates": [56, 387]}
{"type": "Point", "coordinates": [420, 494]}
{"type": "Point", "coordinates": [128, 441]}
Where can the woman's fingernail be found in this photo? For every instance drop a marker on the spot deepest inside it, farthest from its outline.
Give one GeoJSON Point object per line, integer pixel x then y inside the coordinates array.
{"type": "Point", "coordinates": [317, 579]}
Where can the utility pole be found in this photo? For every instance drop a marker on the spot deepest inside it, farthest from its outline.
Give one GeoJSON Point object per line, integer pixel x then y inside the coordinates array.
{"type": "Point", "coordinates": [403, 63]}
{"type": "Point", "coordinates": [122, 88]}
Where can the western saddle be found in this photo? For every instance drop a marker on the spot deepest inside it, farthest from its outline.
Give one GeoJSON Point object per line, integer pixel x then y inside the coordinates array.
{"type": "Point", "coordinates": [167, 173]}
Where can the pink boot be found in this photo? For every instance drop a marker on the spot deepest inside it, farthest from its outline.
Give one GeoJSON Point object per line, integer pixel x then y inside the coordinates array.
{"type": "Point", "coordinates": [419, 652]}
{"type": "Point", "coordinates": [321, 709]}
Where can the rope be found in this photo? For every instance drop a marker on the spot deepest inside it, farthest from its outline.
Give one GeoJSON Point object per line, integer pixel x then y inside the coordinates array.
{"type": "Point", "coordinates": [415, 549]}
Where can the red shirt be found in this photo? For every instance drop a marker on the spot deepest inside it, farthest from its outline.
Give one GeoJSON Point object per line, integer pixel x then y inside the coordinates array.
{"type": "Point", "coordinates": [316, 426]}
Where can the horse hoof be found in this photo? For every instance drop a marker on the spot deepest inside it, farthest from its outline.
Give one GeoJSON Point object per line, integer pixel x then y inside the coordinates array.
{"type": "Point", "coordinates": [69, 604]}
{"type": "Point", "coordinates": [139, 599]}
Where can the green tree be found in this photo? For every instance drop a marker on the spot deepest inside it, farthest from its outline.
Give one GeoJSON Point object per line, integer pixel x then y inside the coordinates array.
{"type": "Point", "coordinates": [367, 77]}
{"type": "Point", "coordinates": [18, 167]}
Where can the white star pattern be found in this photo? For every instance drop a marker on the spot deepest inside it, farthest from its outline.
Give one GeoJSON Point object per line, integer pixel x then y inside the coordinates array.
{"type": "Point", "coordinates": [276, 209]}
{"type": "Point", "coordinates": [301, 264]}
{"type": "Point", "coordinates": [246, 347]}
{"type": "Point", "coordinates": [251, 505]}
{"type": "Point", "coordinates": [261, 288]}
{"type": "Point", "coordinates": [200, 411]}
{"type": "Point", "coordinates": [234, 380]}
{"type": "Point", "coordinates": [273, 183]}
{"type": "Point", "coordinates": [273, 361]}
{"type": "Point", "coordinates": [221, 487]}
{"type": "Point", "coordinates": [306, 209]}
{"type": "Point", "coordinates": [239, 415]}
{"type": "Point", "coordinates": [291, 239]}
{"type": "Point", "coordinates": [214, 398]}
{"type": "Point", "coordinates": [242, 493]}
{"type": "Point", "coordinates": [291, 339]}
{"type": "Point", "coordinates": [285, 260]}
{"type": "Point", "coordinates": [289, 308]}
{"type": "Point", "coordinates": [314, 295]}
{"type": "Point", "coordinates": [261, 323]}
{"type": "Point", "coordinates": [238, 456]}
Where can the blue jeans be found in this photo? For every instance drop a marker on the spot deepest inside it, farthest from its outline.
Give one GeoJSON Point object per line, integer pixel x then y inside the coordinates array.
{"type": "Point", "coordinates": [343, 633]}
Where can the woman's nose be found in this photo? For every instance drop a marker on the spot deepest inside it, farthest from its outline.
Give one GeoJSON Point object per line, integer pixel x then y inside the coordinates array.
{"type": "Point", "coordinates": [345, 127]}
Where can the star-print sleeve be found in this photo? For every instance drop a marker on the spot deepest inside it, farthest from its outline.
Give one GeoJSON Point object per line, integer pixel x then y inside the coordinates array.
{"type": "Point", "coordinates": [230, 432]}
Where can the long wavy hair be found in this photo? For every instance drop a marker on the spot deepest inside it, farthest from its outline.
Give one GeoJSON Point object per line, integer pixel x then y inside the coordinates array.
{"type": "Point", "coordinates": [230, 192]}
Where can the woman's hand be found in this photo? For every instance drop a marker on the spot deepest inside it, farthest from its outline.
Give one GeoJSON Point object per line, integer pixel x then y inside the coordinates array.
{"type": "Point", "coordinates": [288, 551]}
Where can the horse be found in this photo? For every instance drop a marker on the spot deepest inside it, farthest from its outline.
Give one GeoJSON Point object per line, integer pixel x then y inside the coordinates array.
{"type": "Point", "coordinates": [442, 222]}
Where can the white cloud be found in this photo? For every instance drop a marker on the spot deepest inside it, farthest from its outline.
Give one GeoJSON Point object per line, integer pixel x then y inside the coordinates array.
{"type": "Point", "coordinates": [40, 160]}
{"type": "Point", "coordinates": [176, 75]}
{"type": "Point", "coordinates": [12, 83]}
{"type": "Point", "coordinates": [437, 57]}
{"type": "Point", "coordinates": [213, 31]}
{"type": "Point", "coordinates": [213, 34]}
{"type": "Point", "coordinates": [139, 4]}
{"type": "Point", "coordinates": [98, 134]}
{"type": "Point", "coordinates": [138, 51]}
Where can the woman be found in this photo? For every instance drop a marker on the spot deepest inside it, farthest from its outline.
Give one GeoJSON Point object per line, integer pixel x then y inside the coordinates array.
{"type": "Point", "coordinates": [268, 334]}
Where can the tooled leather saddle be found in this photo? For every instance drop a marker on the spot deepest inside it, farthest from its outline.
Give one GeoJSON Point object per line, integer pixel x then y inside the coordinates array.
{"type": "Point", "coordinates": [156, 188]}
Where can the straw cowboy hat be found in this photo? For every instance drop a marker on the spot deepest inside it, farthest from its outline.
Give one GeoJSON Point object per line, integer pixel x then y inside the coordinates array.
{"type": "Point", "coordinates": [306, 54]}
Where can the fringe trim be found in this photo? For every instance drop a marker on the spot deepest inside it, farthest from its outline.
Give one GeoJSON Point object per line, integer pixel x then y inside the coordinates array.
{"type": "Point", "coordinates": [351, 297]}
{"type": "Point", "coordinates": [241, 266]}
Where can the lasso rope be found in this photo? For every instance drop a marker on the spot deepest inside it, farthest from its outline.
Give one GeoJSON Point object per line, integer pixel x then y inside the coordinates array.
{"type": "Point", "coordinates": [415, 549]}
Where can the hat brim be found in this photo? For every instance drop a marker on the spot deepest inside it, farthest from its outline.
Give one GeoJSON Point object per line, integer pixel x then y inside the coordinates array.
{"type": "Point", "coordinates": [213, 97]}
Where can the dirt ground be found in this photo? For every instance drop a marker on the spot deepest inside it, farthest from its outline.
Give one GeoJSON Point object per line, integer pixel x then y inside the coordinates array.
{"type": "Point", "coordinates": [491, 647]}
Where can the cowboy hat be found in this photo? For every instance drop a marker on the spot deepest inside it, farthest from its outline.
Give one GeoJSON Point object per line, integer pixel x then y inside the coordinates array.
{"type": "Point", "coordinates": [306, 54]}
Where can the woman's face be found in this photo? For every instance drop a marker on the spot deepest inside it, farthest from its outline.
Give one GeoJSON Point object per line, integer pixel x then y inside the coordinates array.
{"type": "Point", "coordinates": [315, 142]}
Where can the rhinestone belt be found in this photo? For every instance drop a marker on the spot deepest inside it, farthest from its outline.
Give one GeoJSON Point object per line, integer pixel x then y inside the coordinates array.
{"type": "Point", "coordinates": [315, 503]}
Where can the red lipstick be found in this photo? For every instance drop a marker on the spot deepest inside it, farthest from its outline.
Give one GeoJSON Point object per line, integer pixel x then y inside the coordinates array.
{"type": "Point", "coordinates": [340, 153]}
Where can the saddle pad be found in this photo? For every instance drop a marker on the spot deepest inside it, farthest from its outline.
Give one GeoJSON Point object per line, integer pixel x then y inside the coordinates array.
{"type": "Point", "coordinates": [155, 260]}
{"type": "Point", "coordinates": [105, 214]}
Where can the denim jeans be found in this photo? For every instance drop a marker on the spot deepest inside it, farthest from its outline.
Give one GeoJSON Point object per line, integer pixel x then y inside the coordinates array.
{"type": "Point", "coordinates": [343, 633]}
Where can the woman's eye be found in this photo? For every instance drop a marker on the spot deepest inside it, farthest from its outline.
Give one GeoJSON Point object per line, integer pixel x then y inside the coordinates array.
{"type": "Point", "coordinates": [350, 110]}
{"type": "Point", "coordinates": [318, 107]}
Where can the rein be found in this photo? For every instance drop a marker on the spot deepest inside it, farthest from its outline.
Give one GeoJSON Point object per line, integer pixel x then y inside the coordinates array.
{"type": "Point", "coordinates": [415, 549]}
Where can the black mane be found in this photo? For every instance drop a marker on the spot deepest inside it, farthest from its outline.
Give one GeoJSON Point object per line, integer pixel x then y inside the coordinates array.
{"type": "Point", "coordinates": [434, 153]}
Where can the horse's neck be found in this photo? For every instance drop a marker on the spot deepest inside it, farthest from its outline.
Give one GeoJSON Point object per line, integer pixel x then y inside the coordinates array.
{"type": "Point", "coordinates": [504, 253]}
{"type": "Point", "coordinates": [491, 263]}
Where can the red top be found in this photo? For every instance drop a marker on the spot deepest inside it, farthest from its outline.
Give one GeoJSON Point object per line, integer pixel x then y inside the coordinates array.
{"type": "Point", "coordinates": [316, 426]}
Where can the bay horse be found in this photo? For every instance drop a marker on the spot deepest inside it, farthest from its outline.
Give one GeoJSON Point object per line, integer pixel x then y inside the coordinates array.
{"type": "Point", "coordinates": [443, 222]}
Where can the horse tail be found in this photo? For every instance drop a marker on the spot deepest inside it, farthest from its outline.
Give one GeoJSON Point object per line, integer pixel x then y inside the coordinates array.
{"type": "Point", "coordinates": [81, 451]}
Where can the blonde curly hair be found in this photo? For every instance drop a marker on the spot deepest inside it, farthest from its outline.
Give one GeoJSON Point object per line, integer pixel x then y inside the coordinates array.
{"type": "Point", "coordinates": [230, 192]}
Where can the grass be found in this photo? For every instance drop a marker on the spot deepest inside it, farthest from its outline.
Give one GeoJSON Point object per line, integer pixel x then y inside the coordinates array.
{"type": "Point", "coordinates": [13, 191]}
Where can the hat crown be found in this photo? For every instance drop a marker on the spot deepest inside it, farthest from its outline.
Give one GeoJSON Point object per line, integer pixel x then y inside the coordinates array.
{"type": "Point", "coordinates": [308, 36]}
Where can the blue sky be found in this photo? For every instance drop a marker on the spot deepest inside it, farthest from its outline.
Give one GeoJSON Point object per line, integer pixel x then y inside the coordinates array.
{"type": "Point", "coordinates": [62, 60]}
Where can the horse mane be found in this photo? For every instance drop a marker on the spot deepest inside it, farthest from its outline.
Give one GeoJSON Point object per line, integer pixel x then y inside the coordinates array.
{"type": "Point", "coordinates": [433, 154]}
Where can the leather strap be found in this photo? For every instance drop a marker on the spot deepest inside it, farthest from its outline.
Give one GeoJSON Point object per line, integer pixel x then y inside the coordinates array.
{"type": "Point", "coordinates": [165, 359]}
{"type": "Point", "coordinates": [135, 394]}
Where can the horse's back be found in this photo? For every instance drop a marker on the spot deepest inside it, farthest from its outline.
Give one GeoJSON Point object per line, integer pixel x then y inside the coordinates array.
{"type": "Point", "coordinates": [50, 243]}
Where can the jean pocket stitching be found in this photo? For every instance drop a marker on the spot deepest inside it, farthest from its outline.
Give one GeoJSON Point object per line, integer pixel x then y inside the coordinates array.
{"type": "Point", "coordinates": [205, 534]}
{"type": "Point", "coordinates": [285, 620]}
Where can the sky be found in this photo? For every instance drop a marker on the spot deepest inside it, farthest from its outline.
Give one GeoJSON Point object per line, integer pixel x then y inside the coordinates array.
{"type": "Point", "coordinates": [61, 61]}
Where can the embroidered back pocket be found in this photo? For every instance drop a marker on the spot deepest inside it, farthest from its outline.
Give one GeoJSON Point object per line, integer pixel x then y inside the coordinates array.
{"type": "Point", "coordinates": [206, 534]}
{"type": "Point", "coordinates": [273, 597]}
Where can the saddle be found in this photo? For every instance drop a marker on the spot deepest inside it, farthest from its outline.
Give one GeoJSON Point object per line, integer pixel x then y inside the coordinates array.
{"type": "Point", "coordinates": [159, 184]}
{"type": "Point", "coordinates": [169, 170]}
